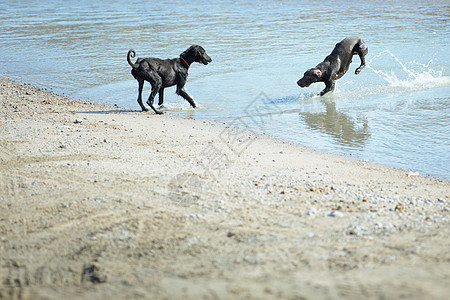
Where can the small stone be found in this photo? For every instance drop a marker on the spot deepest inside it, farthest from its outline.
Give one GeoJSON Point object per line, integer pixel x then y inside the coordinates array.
{"type": "Point", "coordinates": [78, 121]}
{"type": "Point", "coordinates": [311, 212]}
{"type": "Point", "coordinates": [413, 174]}
{"type": "Point", "coordinates": [335, 213]}
{"type": "Point", "coordinates": [399, 207]}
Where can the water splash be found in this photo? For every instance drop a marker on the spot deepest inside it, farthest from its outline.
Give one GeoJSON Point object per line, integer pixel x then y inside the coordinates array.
{"type": "Point", "coordinates": [415, 79]}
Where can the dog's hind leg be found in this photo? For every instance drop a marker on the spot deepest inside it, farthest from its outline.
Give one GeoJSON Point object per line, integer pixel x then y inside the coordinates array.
{"type": "Point", "coordinates": [156, 83]}
{"type": "Point", "coordinates": [139, 100]}
{"type": "Point", "coordinates": [362, 52]}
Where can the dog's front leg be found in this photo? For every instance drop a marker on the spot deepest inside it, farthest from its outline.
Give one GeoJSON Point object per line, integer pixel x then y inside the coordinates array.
{"type": "Point", "coordinates": [181, 92]}
{"type": "Point", "coordinates": [161, 96]}
{"type": "Point", "coordinates": [329, 87]}
{"type": "Point", "coordinates": [186, 96]}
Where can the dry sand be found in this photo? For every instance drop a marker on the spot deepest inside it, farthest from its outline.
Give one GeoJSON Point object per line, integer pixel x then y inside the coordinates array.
{"type": "Point", "coordinates": [101, 203]}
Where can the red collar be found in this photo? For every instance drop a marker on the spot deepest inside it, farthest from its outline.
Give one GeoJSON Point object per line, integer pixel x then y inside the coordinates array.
{"type": "Point", "coordinates": [185, 62]}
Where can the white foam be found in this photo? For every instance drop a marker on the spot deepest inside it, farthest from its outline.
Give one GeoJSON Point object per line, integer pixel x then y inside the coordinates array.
{"type": "Point", "coordinates": [421, 77]}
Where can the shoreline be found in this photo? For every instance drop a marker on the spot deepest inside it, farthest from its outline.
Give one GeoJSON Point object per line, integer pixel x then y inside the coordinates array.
{"type": "Point", "coordinates": [100, 202]}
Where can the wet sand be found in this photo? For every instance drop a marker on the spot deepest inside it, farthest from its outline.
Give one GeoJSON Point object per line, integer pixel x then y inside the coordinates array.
{"type": "Point", "coordinates": [98, 202]}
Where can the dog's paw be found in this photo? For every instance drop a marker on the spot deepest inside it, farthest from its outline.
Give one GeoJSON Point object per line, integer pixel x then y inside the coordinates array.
{"type": "Point", "coordinates": [357, 71]}
{"type": "Point", "coordinates": [158, 112]}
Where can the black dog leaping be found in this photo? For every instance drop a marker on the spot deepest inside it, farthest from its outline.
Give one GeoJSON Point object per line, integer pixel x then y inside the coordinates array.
{"type": "Point", "coordinates": [336, 64]}
{"type": "Point", "coordinates": [165, 73]}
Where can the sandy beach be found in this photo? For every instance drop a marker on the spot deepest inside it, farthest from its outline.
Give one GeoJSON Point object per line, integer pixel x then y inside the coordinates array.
{"type": "Point", "coordinates": [98, 202]}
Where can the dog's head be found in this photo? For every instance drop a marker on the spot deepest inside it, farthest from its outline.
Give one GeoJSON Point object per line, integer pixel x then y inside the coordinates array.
{"type": "Point", "coordinates": [197, 54]}
{"type": "Point", "coordinates": [310, 76]}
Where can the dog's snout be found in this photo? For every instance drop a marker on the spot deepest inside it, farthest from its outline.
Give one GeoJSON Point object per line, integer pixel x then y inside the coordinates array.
{"type": "Point", "coordinates": [301, 83]}
{"type": "Point", "coordinates": [206, 59]}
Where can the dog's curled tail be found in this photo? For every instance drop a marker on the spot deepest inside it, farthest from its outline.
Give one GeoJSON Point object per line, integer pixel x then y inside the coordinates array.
{"type": "Point", "coordinates": [131, 54]}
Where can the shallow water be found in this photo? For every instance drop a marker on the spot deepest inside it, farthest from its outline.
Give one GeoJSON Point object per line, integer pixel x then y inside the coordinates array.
{"type": "Point", "coordinates": [395, 112]}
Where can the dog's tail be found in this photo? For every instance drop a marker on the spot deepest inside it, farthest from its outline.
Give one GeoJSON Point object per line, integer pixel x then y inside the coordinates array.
{"type": "Point", "coordinates": [131, 54]}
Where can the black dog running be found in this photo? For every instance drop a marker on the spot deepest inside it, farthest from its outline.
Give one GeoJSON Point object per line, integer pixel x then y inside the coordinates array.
{"type": "Point", "coordinates": [165, 73]}
{"type": "Point", "coordinates": [336, 64]}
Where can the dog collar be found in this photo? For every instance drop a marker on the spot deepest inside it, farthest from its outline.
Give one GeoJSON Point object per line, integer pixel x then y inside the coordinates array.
{"type": "Point", "coordinates": [185, 62]}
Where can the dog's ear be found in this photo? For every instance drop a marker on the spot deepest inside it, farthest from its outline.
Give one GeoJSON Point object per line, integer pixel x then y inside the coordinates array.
{"type": "Point", "coordinates": [316, 72]}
